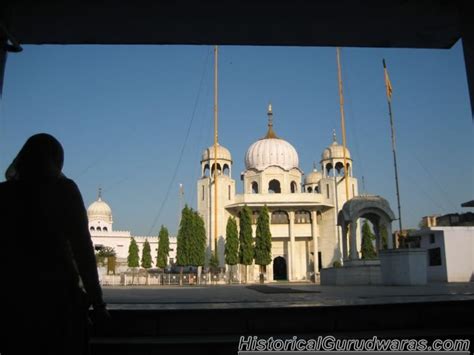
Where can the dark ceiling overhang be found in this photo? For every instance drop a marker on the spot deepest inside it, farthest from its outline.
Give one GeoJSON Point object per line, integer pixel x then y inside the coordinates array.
{"type": "Point", "coordinates": [410, 24]}
{"type": "Point", "coordinates": [468, 204]}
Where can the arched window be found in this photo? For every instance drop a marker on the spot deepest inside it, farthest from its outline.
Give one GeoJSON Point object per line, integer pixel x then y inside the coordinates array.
{"type": "Point", "coordinates": [98, 229]}
{"type": "Point", "coordinates": [309, 189]}
{"type": "Point", "coordinates": [339, 169]}
{"type": "Point", "coordinates": [274, 187]}
{"type": "Point", "coordinates": [226, 170]}
{"type": "Point", "coordinates": [205, 172]}
{"type": "Point", "coordinates": [104, 229]}
{"type": "Point", "coordinates": [92, 229]}
{"type": "Point", "coordinates": [302, 217]}
{"type": "Point", "coordinates": [280, 217]}
{"type": "Point", "coordinates": [328, 169]}
{"type": "Point", "coordinates": [219, 170]}
{"type": "Point", "coordinates": [293, 187]}
{"type": "Point", "coordinates": [319, 217]}
{"type": "Point", "coordinates": [349, 171]}
{"type": "Point", "coordinates": [255, 187]}
{"type": "Point", "coordinates": [316, 189]}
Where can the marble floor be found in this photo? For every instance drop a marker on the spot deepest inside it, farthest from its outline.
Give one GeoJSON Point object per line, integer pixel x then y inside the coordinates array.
{"type": "Point", "coordinates": [277, 295]}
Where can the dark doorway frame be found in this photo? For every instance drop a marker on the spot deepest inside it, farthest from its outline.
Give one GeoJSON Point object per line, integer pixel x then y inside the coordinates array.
{"type": "Point", "coordinates": [280, 269]}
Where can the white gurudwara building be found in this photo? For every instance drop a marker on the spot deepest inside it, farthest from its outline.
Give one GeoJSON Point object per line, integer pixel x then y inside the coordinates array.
{"type": "Point", "coordinates": [303, 209]}
{"type": "Point", "coordinates": [100, 218]}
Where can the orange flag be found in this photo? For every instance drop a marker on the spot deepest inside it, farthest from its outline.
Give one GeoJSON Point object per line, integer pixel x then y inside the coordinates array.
{"type": "Point", "coordinates": [388, 84]}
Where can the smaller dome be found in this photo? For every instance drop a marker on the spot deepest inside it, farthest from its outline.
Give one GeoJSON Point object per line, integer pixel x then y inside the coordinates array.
{"type": "Point", "coordinates": [222, 153]}
{"type": "Point", "coordinates": [313, 177]}
{"type": "Point", "coordinates": [99, 210]}
{"type": "Point", "coordinates": [335, 151]}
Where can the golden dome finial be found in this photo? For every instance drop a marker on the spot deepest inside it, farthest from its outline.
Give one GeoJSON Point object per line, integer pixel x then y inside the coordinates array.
{"type": "Point", "coordinates": [270, 132]}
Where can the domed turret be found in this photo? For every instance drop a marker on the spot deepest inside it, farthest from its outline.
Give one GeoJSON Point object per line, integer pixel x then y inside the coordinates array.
{"type": "Point", "coordinates": [224, 161]}
{"type": "Point", "coordinates": [271, 151]}
{"type": "Point", "coordinates": [222, 153]}
{"type": "Point", "coordinates": [335, 151]}
{"type": "Point", "coordinates": [311, 181]}
{"type": "Point", "coordinates": [313, 177]}
{"type": "Point", "coordinates": [99, 214]}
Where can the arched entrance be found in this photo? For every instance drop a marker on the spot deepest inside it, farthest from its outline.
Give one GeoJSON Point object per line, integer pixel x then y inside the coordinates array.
{"type": "Point", "coordinates": [279, 268]}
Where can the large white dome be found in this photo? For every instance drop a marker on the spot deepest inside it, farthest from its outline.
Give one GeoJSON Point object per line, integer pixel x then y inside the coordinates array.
{"type": "Point", "coordinates": [271, 152]}
{"type": "Point", "coordinates": [99, 210]}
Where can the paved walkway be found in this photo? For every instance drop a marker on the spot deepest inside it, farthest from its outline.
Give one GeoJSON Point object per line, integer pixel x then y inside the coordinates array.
{"type": "Point", "coordinates": [277, 295]}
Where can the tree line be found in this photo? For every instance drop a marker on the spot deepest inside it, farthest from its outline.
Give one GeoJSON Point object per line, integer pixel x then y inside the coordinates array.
{"type": "Point", "coordinates": [133, 259]}
{"type": "Point", "coordinates": [240, 245]}
{"type": "Point", "coordinates": [239, 242]}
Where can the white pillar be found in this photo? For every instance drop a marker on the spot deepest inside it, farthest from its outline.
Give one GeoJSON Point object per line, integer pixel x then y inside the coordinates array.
{"type": "Point", "coordinates": [353, 243]}
{"type": "Point", "coordinates": [389, 235]}
{"type": "Point", "coordinates": [291, 248]}
{"type": "Point", "coordinates": [315, 233]}
{"type": "Point", "coordinates": [344, 241]}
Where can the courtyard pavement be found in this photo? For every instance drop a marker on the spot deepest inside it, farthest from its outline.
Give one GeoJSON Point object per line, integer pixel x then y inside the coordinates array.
{"type": "Point", "coordinates": [277, 295]}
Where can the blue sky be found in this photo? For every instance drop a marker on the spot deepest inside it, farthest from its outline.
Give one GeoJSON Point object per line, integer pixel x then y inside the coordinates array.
{"type": "Point", "coordinates": [122, 114]}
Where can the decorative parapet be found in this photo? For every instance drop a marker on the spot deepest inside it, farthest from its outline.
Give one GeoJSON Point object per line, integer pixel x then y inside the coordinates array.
{"type": "Point", "coordinates": [289, 200]}
{"type": "Point", "coordinates": [150, 237]}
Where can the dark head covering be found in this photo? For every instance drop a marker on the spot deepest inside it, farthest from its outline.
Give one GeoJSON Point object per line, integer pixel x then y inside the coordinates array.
{"type": "Point", "coordinates": [41, 157]}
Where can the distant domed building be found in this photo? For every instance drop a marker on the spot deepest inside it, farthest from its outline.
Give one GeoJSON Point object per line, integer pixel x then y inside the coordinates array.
{"type": "Point", "coordinates": [100, 219]}
{"type": "Point", "coordinates": [303, 220]}
{"type": "Point", "coordinates": [100, 216]}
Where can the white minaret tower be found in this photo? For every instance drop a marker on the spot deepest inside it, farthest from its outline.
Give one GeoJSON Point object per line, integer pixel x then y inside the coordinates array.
{"type": "Point", "coordinates": [332, 184]}
{"type": "Point", "coordinates": [333, 173]}
{"type": "Point", "coordinates": [206, 195]}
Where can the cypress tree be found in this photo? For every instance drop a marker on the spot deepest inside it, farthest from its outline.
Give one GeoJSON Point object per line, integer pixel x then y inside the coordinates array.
{"type": "Point", "coordinates": [214, 262]}
{"type": "Point", "coordinates": [231, 251]}
{"type": "Point", "coordinates": [182, 249]}
{"type": "Point", "coordinates": [182, 253]}
{"type": "Point", "coordinates": [263, 241]}
{"type": "Point", "coordinates": [246, 249]}
{"type": "Point", "coordinates": [163, 248]}
{"type": "Point", "coordinates": [368, 251]}
{"type": "Point", "coordinates": [146, 255]}
{"type": "Point", "coordinates": [197, 241]}
{"type": "Point", "coordinates": [133, 258]}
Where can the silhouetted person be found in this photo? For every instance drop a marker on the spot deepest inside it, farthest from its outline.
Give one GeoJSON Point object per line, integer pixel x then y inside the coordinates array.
{"type": "Point", "coordinates": [48, 270]}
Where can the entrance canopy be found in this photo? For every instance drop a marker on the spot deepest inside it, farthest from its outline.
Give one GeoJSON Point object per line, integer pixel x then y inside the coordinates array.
{"type": "Point", "coordinates": [374, 208]}
{"type": "Point", "coordinates": [362, 206]}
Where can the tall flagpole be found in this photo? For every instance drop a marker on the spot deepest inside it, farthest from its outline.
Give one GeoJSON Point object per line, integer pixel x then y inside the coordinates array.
{"type": "Point", "coordinates": [181, 195]}
{"type": "Point", "coordinates": [343, 123]}
{"type": "Point", "coordinates": [388, 86]}
{"type": "Point", "coordinates": [215, 148]}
